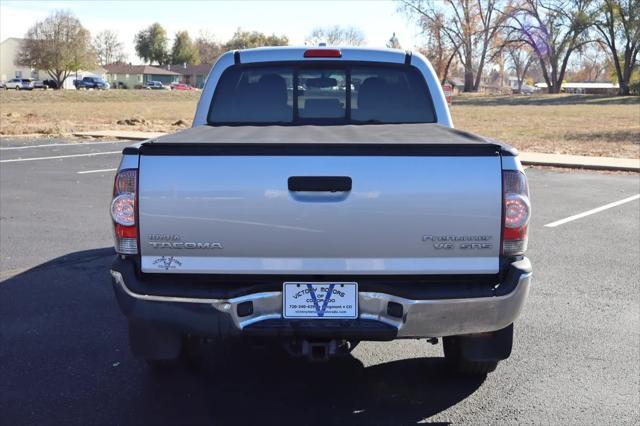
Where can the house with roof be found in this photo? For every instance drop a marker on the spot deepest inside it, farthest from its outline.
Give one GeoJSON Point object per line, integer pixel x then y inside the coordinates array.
{"type": "Point", "coordinates": [8, 69]}
{"type": "Point", "coordinates": [587, 87]}
{"type": "Point", "coordinates": [194, 75]}
{"type": "Point", "coordinates": [131, 76]}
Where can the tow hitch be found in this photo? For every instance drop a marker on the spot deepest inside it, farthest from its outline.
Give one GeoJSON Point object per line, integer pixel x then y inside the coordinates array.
{"type": "Point", "coordinates": [319, 351]}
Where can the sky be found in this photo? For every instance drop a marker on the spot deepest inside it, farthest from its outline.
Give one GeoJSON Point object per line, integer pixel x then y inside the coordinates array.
{"type": "Point", "coordinates": [377, 19]}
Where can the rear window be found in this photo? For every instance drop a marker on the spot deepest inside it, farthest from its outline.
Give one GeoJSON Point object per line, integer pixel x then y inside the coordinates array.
{"type": "Point", "coordinates": [321, 93]}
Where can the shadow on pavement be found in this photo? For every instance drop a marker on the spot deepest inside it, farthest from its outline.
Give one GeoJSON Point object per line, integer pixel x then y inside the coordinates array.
{"type": "Point", "coordinates": [64, 359]}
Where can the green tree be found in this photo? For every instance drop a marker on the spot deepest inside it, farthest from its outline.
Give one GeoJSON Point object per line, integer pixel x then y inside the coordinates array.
{"type": "Point", "coordinates": [247, 39]}
{"type": "Point", "coordinates": [183, 50]}
{"type": "Point", "coordinates": [58, 45]}
{"type": "Point", "coordinates": [151, 44]}
{"type": "Point", "coordinates": [208, 49]}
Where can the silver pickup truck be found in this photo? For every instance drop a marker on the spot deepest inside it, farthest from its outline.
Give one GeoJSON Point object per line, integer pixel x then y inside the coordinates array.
{"type": "Point", "coordinates": [322, 198]}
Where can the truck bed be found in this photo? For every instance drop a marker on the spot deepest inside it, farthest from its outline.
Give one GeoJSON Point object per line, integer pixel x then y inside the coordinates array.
{"type": "Point", "coordinates": [415, 137]}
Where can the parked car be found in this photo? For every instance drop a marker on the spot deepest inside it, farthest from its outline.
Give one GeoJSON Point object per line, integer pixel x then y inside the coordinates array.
{"type": "Point", "coordinates": [181, 86]}
{"type": "Point", "coordinates": [39, 84]}
{"type": "Point", "coordinates": [91, 83]}
{"type": "Point", "coordinates": [155, 85]}
{"type": "Point", "coordinates": [318, 222]}
{"type": "Point", "coordinates": [51, 84]}
{"type": "Point", "coordinates": [525, 90]}
{"type": "Point", "coordinates": [19, 84]}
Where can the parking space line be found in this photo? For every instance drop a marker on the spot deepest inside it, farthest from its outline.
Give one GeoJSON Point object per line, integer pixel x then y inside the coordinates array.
{"type": "Point", "coordinates": [10, 148]}
{"type": "Point", "coordinates": [84, 172]}
{"type": "Point", "coordinates": [592, 211]}
{"type": "Point", "coordinates": [92, 154]}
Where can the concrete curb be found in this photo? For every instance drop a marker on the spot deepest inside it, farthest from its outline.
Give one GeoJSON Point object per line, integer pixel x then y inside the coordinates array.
{"type": "Point", "coordinates": [122, 134]}
{"type": "Point", "coordinates": [527, 158]}
{"type": "Point", "coordinates": [580, 162]}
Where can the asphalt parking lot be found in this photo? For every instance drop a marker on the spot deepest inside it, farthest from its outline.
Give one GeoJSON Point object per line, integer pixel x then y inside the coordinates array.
{"type": "Point", "coordinates": [63, 343]}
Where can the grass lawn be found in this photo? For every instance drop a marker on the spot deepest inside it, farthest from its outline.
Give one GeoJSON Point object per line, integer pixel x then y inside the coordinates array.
{"type": "Point", "coordinates": [568, 124]}
{"type": "Point", "coordinates": [563, 124]}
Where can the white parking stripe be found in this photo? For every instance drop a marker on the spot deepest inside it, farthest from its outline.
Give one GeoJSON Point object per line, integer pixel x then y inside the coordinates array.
{"type": "Point", "coordinates": [592, 211]}
{"type": "Point", "coordinates": [17, 160]}
{"type": "Point", "coordinates": [84, 172]}
{"type": "Point", "coordinates": [9, 148]}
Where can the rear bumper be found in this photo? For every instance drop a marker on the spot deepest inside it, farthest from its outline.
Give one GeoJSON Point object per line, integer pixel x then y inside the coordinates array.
{"type": "Point", "coordinates": [260, 313]}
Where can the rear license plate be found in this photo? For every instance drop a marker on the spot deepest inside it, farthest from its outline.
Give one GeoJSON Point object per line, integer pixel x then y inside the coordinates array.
{"type": "Point", "coordinates": [320, 300]}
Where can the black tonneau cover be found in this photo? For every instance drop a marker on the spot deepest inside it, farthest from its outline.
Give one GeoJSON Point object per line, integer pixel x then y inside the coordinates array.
{"type": "Point", "coordinates": [370, 139]}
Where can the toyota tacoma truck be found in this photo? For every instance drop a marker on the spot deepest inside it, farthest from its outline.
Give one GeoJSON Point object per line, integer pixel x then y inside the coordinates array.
{"type": "Point", "coordinates": [322, 198]}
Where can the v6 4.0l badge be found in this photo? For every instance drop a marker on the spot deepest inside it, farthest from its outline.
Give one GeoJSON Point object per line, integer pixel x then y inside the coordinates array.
{"type": "Point", "coordinates": [463, 242]}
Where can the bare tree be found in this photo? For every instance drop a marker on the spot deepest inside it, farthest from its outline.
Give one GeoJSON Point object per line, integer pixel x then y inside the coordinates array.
{"type": "Point", "coordinates": [336, 35]}
{"type": "Point", "coordinates": [58, 45]}
{"type": "Point", "coordinates": [439, 49]}
{"type": "Point", "coordinates": [109, 49]}
{"type": "Point", "coordinates": [618, 26]}
{"type": "Point", "coordinates": [591, 63]}
{"type": "Point", "coordinates": [554, 29]}
{"type": "Point", "coordinates": [471, 25]}
{"type": "Point", "coordinates": [520, 57]}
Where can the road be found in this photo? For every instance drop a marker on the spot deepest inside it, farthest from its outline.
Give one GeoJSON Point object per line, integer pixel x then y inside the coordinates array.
{"type": "Point", "coordinates": [63, 344]}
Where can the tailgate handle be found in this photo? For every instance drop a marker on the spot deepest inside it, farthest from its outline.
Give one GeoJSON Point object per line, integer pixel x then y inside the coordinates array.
{"type": "Point", "coordinates": [320, 183]}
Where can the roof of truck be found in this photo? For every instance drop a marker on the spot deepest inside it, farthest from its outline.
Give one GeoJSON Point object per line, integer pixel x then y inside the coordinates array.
{"type": "Point", "coordinates": [418, 134]}
{"type": "Point", "coordinates": [296, 53]}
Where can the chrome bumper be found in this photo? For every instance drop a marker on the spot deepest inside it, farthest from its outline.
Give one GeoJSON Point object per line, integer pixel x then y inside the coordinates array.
{"type": "Point", "coordinates": [421, 318]}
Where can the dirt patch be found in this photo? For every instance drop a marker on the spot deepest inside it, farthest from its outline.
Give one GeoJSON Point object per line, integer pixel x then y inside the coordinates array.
{"type": "Point", "coordinates": [133, 122]}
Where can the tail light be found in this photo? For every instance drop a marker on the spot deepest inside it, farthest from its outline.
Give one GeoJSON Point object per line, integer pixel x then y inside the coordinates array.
{"type": "Point", "coordinates": [124, 213]}
{"type": "Point", "coordinates": [322, 53]}
{"type": "Point", "coordinates": [516, 212]}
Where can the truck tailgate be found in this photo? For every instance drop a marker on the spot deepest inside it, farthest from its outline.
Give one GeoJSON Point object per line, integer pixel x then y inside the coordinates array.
{"type": "Point", "coordinates": [236, 214]}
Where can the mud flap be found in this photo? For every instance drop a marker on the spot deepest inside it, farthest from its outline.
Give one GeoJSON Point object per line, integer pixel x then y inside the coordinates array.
{"type": "Point", "coordinates": [494, 346]}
